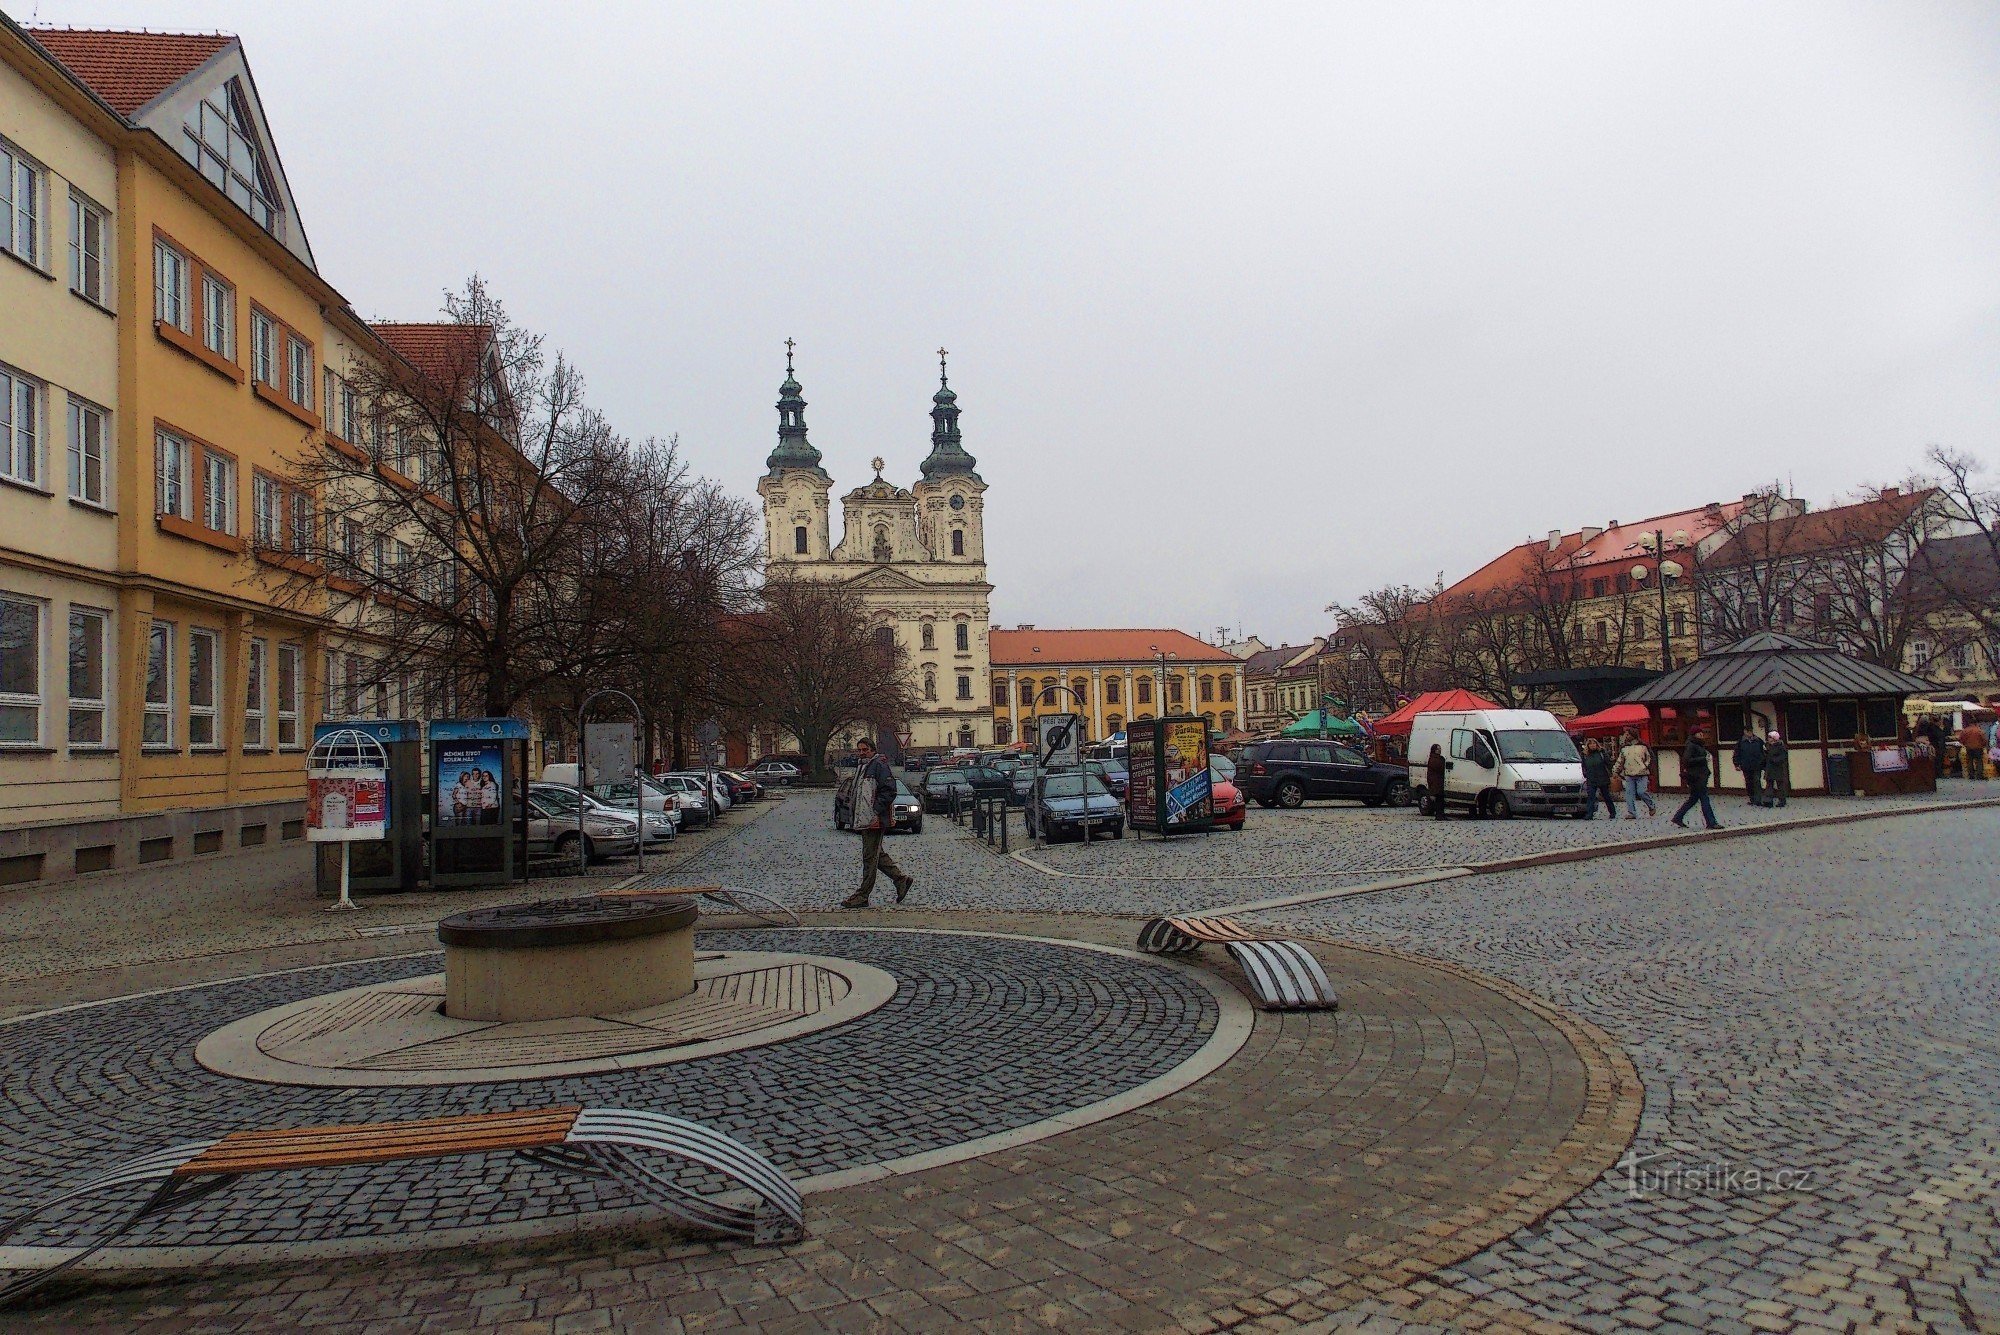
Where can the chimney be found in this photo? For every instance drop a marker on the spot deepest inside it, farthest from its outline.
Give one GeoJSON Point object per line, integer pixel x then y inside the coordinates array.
{"type": "Point", "coordinates": [1025, 625]}
{"type": "Point", "coordinates": [1555, 538]}
{"type": "Point", "coordinates": [1591, 533]}
{"type": "Point", "coordinates": [1891, 493]}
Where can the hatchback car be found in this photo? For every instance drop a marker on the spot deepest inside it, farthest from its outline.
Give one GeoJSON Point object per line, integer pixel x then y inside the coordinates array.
{"type": "Point", "coordinates": [1061, 802]}
{"type": "Point", "coordinates": [1289, 773]}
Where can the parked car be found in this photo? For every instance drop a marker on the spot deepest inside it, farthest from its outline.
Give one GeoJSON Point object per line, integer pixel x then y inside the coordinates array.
{"type": "Point", "coordinates": [1021, 784]}
{"type": "Point", "coordinates": [1289, 773]}
{"type": "Point", "coordinates": [742, 788]}
{"type": "Point", "coordinates": [660, 827]}
{"type": "Point", "coordinates": [1231, 808]}
{"type": "Point", "coordinates": [1112, 774]}
{"type": "Point", "coordinates": [1500, 762]}
{"type": "Point", "coordinates": [908, 811]}
{"type": "Point", "coordinates": [717, 787]}
{"type": "Point", "coordinates": [1061, 799]}
{"type": "Point", "coordinates": [553, 831]}
{"type": "Point", "coordinates": [916, 762]}
{"type": "Point", "coordinates": [687, 790]}
{"type": "Point", "coordinates": [623, 796]}
{"type": "Point", "coordinates": [776, 773]}
{"type": "Point", "coordinates": [939, 785]}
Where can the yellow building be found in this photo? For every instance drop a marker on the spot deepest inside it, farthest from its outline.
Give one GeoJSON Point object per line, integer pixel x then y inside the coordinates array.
{"type": "Point", "coordinates": [1111, 677]}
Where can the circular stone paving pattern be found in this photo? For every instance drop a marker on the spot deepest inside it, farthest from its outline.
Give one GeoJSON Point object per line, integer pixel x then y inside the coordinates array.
{"type": "Point", "coordinates": [984, 1035]}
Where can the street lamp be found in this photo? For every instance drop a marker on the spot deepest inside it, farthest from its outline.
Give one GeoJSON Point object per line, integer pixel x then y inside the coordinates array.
{"type": "Point", "coordinates": [1163, 655]}
{"type": "Point", "coordinates": [1656, 543]}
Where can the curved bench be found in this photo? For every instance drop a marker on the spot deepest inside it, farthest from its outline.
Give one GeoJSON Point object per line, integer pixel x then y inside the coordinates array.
{"type": "Point", "coordinates": [599, 1142]}
{"type": "Point", "coordinates": [1282, 973]}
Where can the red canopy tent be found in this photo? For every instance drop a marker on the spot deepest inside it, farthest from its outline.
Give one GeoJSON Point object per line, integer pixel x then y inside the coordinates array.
{"type": "Point", "coordinates": [1612, 721]}
{"type": "Point", "coordinates": [1430, 702]}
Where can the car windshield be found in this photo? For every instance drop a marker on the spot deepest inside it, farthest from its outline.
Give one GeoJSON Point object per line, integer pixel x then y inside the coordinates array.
{"type": "Point", "coordinates": [903, 790]}
{"type": "Point", "coordinates": [1222, 767]}
{"type": "Point", "coordinates": [1072, 785]}
{"type": "Point", "coordinates": [938, 778]}
{"type": "Point", "coordinates": [983, 775]}
{"type": "Point", "coordinates": [556, 799]}
{"type": "Point", "coordinates": [1537, 745]}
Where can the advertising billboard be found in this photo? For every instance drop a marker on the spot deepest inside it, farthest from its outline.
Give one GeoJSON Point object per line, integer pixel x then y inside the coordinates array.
{"type": "Point", "coordinates": [343, 805]}
{"type": "Point", "coordinates": [468, 783]}
{"type": "Point", "coordinates": [1170, 790]}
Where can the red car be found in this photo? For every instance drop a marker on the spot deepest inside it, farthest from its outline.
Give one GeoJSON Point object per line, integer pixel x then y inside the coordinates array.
{"type": "Point", "coordinates": [1230, 808]}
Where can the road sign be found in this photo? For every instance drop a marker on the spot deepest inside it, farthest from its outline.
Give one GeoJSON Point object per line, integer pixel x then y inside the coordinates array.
{"type": "Point", "coordinates": [1061, 740]}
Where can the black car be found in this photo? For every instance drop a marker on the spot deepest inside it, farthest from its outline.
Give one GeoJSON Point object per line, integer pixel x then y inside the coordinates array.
{"type": "Point", "coordinates": [1112, 774]}
{"type": "Point", "coordinates": [907, 813]}
{"type": "Point", "coordinates": [1288, 773]}
{"type": "Point", "coordinates": [940, 784]}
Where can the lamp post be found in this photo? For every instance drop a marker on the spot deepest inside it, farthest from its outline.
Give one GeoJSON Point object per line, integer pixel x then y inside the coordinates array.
{"type": "Point", "coordinates": [1163, 655]}
{"type": "Point", "coordinates": [1656, 541]}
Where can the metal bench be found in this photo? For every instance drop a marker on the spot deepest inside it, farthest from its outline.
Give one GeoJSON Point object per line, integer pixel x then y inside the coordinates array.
{"type": "Point", "coordinates": [599, 1142]}
{"type": "Point", "coordinates": [730, 898]}
{"type": "Point", "coordinates": [1283, 974]}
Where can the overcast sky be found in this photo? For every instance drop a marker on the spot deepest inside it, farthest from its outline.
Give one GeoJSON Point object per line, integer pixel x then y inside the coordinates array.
{"type": "Point", "coordinates": [1250, 308]}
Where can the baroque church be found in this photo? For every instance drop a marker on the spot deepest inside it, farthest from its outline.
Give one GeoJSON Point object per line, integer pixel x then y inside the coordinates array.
{"type": "Point", "coordinates": [915, 555]}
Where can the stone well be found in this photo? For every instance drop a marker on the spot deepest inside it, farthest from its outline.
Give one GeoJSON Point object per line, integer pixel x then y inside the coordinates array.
{"type": "Point", "coordinates": [593, 955]}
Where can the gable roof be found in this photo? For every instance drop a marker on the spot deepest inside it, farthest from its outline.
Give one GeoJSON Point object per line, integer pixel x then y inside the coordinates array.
{"type": "Point", "coordinates": [1774, 666]}
{"type": "Point", "coordinates": [1961, 568]}
{"type": "Point", "coordinates": [444, 351]}
{"type": "Point", "coordinates": [1067, 648]}
{"type": "Point", "coordinates": [130, 69]}
{"type": "Point", "coordinates": [1615, 544]}
{"type": "Point", "coordinates": [1837, 526]}
{"type": "Point", "coordinates": [1267, 662]}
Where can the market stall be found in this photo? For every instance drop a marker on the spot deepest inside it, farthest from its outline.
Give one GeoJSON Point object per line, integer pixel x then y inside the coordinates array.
{"type": "Point", "coordinates": [1612, 723]}
{"type": "Point", "coordinates": [1430, 702]}
{"type": "Point", "coordinates": [1840, 716]}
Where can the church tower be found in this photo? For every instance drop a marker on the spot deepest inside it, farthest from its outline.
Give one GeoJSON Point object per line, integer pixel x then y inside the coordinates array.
{"type": "Point", "coordinates": [795, 488]}
{"type": "Point", "coordinates": [951, 497]}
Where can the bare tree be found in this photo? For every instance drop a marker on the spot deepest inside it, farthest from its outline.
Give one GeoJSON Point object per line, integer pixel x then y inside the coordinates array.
{"type": "Point", "coordinates": [819, 665]}
{"type": "Point", "coordinates": [1388, 643]}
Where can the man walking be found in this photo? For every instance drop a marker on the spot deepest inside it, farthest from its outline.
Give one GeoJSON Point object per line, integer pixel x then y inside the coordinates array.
{"type": "Point", "coordinates": [1749, 759]}
{"type": "Point", "coordinates": [874, 808]}
{"type": "Point", "coordinates": [1434, 780]}
{"type": "Point", "coordinates": [1635, 764]}
{"type": "Point", "coordinates": [1597, 781]}
{"type": "Point", "coordinates": [1777, 771]}
{"type": "Point", "coordinates": [1973, 738]}
{"type": "Point", "coordinates": [1695, 772]}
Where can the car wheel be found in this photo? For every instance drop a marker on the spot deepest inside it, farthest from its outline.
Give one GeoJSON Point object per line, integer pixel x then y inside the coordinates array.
{"type": "Point", "coordinates": [566, 848]}
{"type": "Point", "coordinates": [1501, 808]}
{"type": "Point", "coordinates": [918, 828]}
{"type": "Point", "coordinates": [1291, 794]}
{"type": "Point", "coordinates": [1118, 833]}
{"type": "Point", "coordinates": [1266, 803]}
{"type": "Point", "coordinates": [1397, 793]}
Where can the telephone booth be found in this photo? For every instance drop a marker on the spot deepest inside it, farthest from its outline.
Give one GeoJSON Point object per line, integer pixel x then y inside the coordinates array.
{"type": "Point", "coordinates": [395, 862]}
{"type": "Point", "coordinates": [478, 803]}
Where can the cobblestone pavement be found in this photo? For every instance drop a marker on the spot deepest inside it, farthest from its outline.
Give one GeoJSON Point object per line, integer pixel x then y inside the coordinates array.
{"type": "Point", "coordinates": [1819, 1002]}
{"type": "Point", "coordinates": [1339, 1157]}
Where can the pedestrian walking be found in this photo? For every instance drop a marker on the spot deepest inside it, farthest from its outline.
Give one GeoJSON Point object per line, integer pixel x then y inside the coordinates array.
{"type": "Point", "coordinates": [1597, 781]}
{"type": "Point", "coordinates": [1695, 773]}
{"type": "Point", "coordinates": [1777, 770]}
{"type": "Point", "coordinates": [1635, 766]}
{"type": "Point", "coordinates": [1749, 759]}
{"type": "Point", "coordinates": [874, 807]}
{"type": "Point", "coordinates": [1973, 738]}
{"type": "Point", "coordinates": [1434, 780]}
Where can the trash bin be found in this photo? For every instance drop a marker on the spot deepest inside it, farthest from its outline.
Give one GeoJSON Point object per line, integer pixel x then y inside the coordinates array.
{"type": "Point", "coordinates": [478, 802]}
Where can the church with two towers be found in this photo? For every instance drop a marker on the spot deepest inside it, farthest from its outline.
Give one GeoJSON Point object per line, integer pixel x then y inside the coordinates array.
{"type": "Point", "coordinates": [915, 555]}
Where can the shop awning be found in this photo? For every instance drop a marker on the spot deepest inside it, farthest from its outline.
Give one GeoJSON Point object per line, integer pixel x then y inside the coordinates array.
{"type": "Point", "coordinates": [1613, 721]}
{"type": "Point", "coordinates": [1430, 702]}
{"type": "Point", "coordinates": [1311, 726]}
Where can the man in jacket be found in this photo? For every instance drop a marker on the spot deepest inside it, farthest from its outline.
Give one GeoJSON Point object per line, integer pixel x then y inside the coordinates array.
{"type": "Point", "coordinates": [1434, 780]}
{"type": "Point", "coordinates": [1695, 772]}
{"type": "Point", "coordinates": [1635, 766]}
{"type": "Point", "coordinates": [1597, 781]}
{"type": "Point", "coordinates": [872, 824]}
{"type": "Point", "coordinates": [1749, 758]}
{"type": "Point", "coordinates": [1777, 770]}
{"type": "Point", "coordinates": [1973, 738]}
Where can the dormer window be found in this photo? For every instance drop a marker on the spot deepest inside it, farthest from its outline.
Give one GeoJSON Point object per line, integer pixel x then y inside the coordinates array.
{"type": "Point", "coordinates": [222, 145]}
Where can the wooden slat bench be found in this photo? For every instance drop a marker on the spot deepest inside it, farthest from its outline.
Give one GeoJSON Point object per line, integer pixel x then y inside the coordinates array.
{"type": "Point", "coordinates": [599, 1142]}
{"type": "Point", "coordinates": [731, 898]}
{"type": "Point", "coordinates": [1282, 973]}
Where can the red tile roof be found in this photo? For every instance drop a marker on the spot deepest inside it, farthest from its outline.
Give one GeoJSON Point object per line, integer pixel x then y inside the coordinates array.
{"type": "Point", "coordinates": [1069, 648]}
{"type": "Point", "coordinates": [1611, 546]}
{"type": "Point", "coordinates": [446, 352]}
{"type": "Point", "coordinates": [129, 69]}
{"type": "Point", "coordinates": [1863, 522]}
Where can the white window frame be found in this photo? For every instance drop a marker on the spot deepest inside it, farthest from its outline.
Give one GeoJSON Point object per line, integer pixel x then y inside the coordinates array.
{"type": "Point", "coordinates": [21, 416]}
{"type": "Point", "coordinates": [299, 371]}
{"type": "Point", "coordinates": [173, 272]}
{"type": "Point", "coordinates": [89, 425]}
{"type": "Point", "coordinates": [298, 517]}
{"type": "Point", "coordinates": [291, 704]}
{"type": "Point", "coordinates": [204, 721]}
{"type": "Point", "coordinates": [267, 511]}
{"type": "Point", "coordinates": [156, 733]}
{"type": "Point", "coordinates": [218, 315]}
{"type": "Point", "coordinates": [218, 492]}
{"type": "Point", "coordinates": [84, 707]}
{"type": "Point", "coordinates": [173, 475]}
{"type": "Point", "coordinates": [256, 690]}
{"type": "Point", "coordinates": [33, 701]}
{"type": "Point", "coordinates": [89, 271]}
{"type": "Point", "coordinates": [264, 348]}
{"type": "Point", "coordinates": [23, 184]}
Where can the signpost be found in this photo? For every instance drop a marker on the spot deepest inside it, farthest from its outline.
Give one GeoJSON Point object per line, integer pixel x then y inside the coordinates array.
{"type": "Point", "coordinates": [1060, 742]}
{"type": "Point", "coordinates": [347, 796]}
{"type": "Point", "coordinates": [608, 753]}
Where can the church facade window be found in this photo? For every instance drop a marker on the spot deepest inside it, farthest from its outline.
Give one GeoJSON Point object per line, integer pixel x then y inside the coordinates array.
{"type": "Point", "coordinates": [958, 542]}
{"type": "Point", "coordinates": [799, 544]}
{"type": "Point", "coordinates": [965, 685]}
{"type": "Point", "coordinates": [962, 633]}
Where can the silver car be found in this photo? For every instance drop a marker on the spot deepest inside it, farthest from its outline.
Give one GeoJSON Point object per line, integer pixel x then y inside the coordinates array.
{"type": "Point", "coordinates": [552, 830]}
{"type": "Point", "coordinates": [661, 826]}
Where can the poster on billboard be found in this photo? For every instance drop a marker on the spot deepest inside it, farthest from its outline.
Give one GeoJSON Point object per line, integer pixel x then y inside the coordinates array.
{"type": "Point", "coordinates": [468, 783]}
{"type": "Point", "coordinates": [1142, 805]}
{"type": "Point", "coordinates": [1188, 785]}
{"type": "Point", "coordinates": [345, 805]}
{"type": "Point", "coordinates": [1061, 740]}
{"type": "Point", "coordinates": [608, 751]}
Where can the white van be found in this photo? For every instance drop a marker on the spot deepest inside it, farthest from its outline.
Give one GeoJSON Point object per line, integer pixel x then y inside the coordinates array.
{"type": "Point", "coordinates": [1500, 762]}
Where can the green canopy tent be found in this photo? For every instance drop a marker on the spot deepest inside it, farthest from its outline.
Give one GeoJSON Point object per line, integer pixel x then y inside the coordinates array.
{"type": "Point", "coordinates": [1311, 726]}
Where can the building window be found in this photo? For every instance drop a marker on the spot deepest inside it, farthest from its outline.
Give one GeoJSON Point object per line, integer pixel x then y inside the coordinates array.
{"type": "Point", "coordinates": [1228, 689]}
{"type": "Point", "coordinates": [1961, 658]}
{"type": "Point", "coordinates": [263, 348]}
{"type": "Point", "coordinates": [1115, 722]}
{"type": "Point", "coordinates": [1680, 625]}
{"type": "Point", "coordinates": [1111, 689]}
{"type": "Point", "coordinates": [218, 317]}
{"type": "Point", "coordinates": [299, 536]}
{"type": "Point", "coordinates": [173, 489]}
{"type": "Point", "coordinates": [170, 287]}
{"type": "Point", "coordinates": [223, 147]}
{"type": "Point", "coordinates": [965, 686]}
{"type": "Point", "coordinates": [962, 637]}
{"type": "Point", "coordinates": [253, 695]}
{"type": "Point", "coordinates": [1145, 690]}
{"type": "Point", "coordinates": [218, 492]}
{"type": "Point", "coordinates": [21, 196]}
{"type": "Point", "coordinates": [204, 654]}
{"type": "Point", "coordinates": [88, 674]}
{"type": "Point", "coordinates": [291, 694]}
{"type": "Point", "coordinates": [958, 542]}
{"type": "Point", "coordinates": [158, 728]}
{"type": "Point", "coordinates": [799, 540]}
{"type": "Point", "coordinates": [1599, 587]}
{"type": "Point", "coordinates": [89, 244]}
{"type": "Point", "coordinates": [20, 672]}
{"type": "Point", "coordinates": [1002, 733]}
{"type": "Point", "coordinates": [88, 442]}
{"type": "Point", "coordinates": [1027, 693]}
{"type": "Point", "coordinates": [20, 427]}
{"type": "Point", "coordinates": [350, 413]}
{"type": "Point", "coordinates": [299, 365]}
{"type": "Point", "coordinates": [929, 635]}
{"type": "Point", "coordinates": [1207, 690]}
{"type": "Point", "coordinates": [999, 694]}
{"type": "Point", "coordinates": [267, 511]}
{"type": "Point", "coordinates": [930, 685]}
{"type": "Point", "coordinates": [1174, 692]}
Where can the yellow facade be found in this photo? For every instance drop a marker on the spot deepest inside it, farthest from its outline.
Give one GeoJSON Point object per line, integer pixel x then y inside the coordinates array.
{"type": "Point", "coordinates": [1113, 692]}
